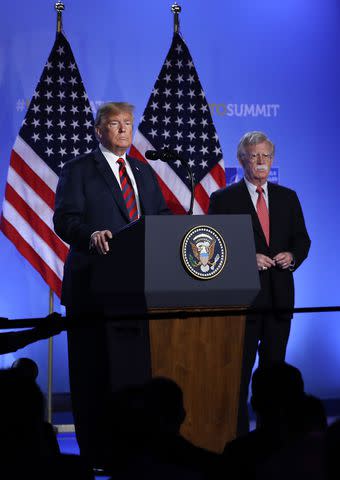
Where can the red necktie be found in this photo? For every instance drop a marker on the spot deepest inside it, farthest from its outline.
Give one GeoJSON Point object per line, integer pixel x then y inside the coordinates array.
{"type": "Point", "coordinates": [127, 191]}
{"type": "Point", "coordinates": [262, 213]}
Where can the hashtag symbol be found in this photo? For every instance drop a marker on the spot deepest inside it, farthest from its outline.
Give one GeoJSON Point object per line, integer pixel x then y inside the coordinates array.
{"type": "Point", "coordinates": [20, 105]}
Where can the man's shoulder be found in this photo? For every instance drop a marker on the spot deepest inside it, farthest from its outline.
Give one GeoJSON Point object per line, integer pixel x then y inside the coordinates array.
{"type": "Point", "coordinates": [137, 162]}
{"type": "Point", "coordinates": [243, 443]}
{"type": "Point", "coordinates": [141, 166]}
{"type": "Point", "coordinates": [275, 188]}
{"type": "Point", "coordinates": [232, 189]}
{"type": "Point", "coordinates": [81, 160]}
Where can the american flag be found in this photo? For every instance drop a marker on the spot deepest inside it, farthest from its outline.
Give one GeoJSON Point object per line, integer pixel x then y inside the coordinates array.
{"type": "Point", "coordinates": [58, 126]}
{"type": "Point", "coordinates": [177, 117]}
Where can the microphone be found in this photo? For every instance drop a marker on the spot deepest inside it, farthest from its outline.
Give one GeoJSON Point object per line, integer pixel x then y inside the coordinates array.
{"type": "Point", "coordinates": [152, 155]}
{"type": "Point", "coordinates": [164, 155]}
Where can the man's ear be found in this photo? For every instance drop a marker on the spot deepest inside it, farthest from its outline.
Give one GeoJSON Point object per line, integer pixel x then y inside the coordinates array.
{"type": "Point", "coordinates": [98, 133]}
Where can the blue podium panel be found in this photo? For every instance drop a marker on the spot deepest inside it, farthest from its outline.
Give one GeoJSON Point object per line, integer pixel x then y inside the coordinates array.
{"type": "Point", "coordinates": [151, 274]}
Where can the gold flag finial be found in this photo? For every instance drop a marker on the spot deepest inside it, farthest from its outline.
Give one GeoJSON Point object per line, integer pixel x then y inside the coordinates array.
{"type": "Point", "coordinates": [176, 9]}
{"type": "Point", "coordinates": [59, 7]}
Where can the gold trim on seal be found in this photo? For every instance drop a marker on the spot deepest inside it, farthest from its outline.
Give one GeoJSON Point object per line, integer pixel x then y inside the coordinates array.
{"type": "Point", "coordinates": [217, 237]}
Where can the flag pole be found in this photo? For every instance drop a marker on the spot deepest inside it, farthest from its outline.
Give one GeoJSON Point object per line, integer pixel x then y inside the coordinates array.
{"type": "Point", "coordinates": [176, 10]}
{"type": "Point", "coordinates": [59, 7]}
{"type": "Point", "coordinates": [50, 364]}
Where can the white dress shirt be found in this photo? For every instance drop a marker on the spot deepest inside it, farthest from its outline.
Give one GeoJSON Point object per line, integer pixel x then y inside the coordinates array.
{"type": "Point", "coordinates": [112, 161]}
{"type": "Point", "coordinates": [254, 195]}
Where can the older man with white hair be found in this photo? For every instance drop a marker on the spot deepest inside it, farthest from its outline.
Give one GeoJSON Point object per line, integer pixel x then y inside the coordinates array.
{"type": "Point", "coordinates": [282, 244]}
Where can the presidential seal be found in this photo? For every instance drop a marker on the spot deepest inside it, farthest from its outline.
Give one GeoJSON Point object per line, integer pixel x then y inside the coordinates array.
{"type": "Point", "coordinates": [204, 253]}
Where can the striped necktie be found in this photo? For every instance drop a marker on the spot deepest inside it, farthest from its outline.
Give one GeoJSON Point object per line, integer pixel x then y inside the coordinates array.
{"type": "Point", "coordinates": [127, 191]}
{"type": "Point", "coordinates": [262, 213]}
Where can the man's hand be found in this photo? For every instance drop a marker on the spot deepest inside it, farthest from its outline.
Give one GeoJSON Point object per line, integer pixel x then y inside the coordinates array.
{"type": "Point", "coordinates": [264, 262]}
{"type": "Point", "coordinates": [99, 241]}
{"type": "Point", "coordinates": [284, 260]}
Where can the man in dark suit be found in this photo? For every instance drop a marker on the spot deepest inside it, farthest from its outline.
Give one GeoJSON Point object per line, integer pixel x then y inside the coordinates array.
{"type": "Point", "coordinates": [90, 207]}
{"type": "Point", "coordinates": [99, 194]}
{"type": "Point", "coordinates": [282, 244]}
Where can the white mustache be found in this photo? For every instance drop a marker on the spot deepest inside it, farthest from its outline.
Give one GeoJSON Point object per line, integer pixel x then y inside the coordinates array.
{"type": "Point", "coordinates": [263, 168]}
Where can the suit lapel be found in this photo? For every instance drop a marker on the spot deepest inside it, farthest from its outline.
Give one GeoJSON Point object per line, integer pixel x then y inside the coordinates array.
{"type": "Point", "coordinates": [111, 181]}
{"type": "Point", "coordinates": [134, 164]}
{"type": "Point", "coordinates": [274, 210]}
{"type": "Point", "coordinates": [249, 207]}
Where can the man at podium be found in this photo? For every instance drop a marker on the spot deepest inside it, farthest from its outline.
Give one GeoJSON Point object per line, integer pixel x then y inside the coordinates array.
{"type": "Point", "coordinates": [99, 194]}
{"type": "Point", "coordinates": [282, 244]}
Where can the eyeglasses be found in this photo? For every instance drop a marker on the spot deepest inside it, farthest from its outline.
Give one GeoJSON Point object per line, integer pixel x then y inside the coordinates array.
{"type": "Point", "coordinates": [264, 156]}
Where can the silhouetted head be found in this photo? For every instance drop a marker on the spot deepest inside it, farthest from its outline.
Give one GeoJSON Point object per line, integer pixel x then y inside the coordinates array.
{"type": "Point", "coordinates": [276, 390]}
{"type": "Point", "coordinates": [164, 403]}
{"type": "Point", "coordinates": [332, 448]}
{"type": "Point", "coordinates": [27, 367]}
{"type": "Point", "coordinates": [21, 413]}
{"type": "Point", "coordinates": [314, 414]}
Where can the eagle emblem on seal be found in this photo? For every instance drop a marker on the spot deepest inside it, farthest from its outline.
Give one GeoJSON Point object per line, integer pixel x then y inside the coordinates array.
{"type": "Point", "coordinates": [203, 252]}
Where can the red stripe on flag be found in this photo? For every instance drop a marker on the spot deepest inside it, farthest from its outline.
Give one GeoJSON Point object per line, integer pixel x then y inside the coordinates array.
{"type": "Point", "coordinates": [218, 174]}
{"type": "Point", "coordinates": [202, 198]}
{"type": "Point", "coordinates": [36, 223]}
{"type": "Point", "coordinates": [32, 179]}
{"type": "Point", "coordinates": [175, 206]}
{"type": "Point", "coordinates": [172, 202]}
{"type": "Point", "coordinates": [31, 255]}
{"type": "Point", "coordinates": [136, 154]}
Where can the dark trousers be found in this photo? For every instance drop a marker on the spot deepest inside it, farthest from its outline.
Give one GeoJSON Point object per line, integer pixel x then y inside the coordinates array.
{"type": "Point", "coordinates": [268, 335]}
{"type": "Point", "coordinates": [104, 359]}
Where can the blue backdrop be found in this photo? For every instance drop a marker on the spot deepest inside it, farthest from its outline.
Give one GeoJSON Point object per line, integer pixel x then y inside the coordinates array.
{"type": "Point", "coordinates": [264, 65]}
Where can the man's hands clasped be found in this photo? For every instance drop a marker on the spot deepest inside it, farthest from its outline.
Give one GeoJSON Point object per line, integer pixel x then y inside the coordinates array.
{"type": "Point", "coordinates": [283, 260]}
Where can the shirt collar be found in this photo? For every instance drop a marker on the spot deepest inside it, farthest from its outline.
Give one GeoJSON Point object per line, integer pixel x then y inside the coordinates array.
{"type": "Point", "coordinates": [252, 188]}
{"type": "Point", "coordinates": [110, 154]}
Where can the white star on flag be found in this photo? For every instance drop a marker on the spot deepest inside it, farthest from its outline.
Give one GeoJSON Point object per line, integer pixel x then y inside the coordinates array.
{"type": "Point", "coordinates": [38, 155]}
{"type": "Point", "coordinates": [189, 132]}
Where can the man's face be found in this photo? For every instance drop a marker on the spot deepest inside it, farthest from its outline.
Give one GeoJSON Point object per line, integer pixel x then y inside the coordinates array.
{"type": "Point", "coordinates": [115, 132]}
{"type": "Point", "coordinates": [257, 162]}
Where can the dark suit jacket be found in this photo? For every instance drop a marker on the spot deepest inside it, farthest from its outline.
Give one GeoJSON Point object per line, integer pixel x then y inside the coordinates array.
{"type": "Point", "coordinates": [88, 199]}
{"type": "Point", "coordinates": [287, 233]}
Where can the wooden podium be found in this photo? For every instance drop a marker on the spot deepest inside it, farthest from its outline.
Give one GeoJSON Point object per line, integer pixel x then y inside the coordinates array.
{"type": "Point", "coordinates": [203, 354]}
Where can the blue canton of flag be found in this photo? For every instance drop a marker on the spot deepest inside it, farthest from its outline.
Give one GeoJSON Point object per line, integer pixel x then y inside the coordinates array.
{"type": "Point", "coordinates": [57, 127]}
{"type": "Point", "coordinates": [59, 121]}
{"type": "Point", "coordinates": [177, 117]}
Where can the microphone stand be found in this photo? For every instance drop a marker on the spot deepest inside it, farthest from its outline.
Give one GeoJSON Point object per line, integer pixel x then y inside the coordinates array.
{"type": "Point", "coordinates": [192, 185]}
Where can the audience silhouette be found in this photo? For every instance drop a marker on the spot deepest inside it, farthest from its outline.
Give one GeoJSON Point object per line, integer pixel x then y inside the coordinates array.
{"type": "Point", "coordinates": [147, 440]}
{"type": "Point", "coordinates": [286, 418]}
{"type": "Point", "coordinates": [28, 446]}
{"type": "Point", "coordinates": [332, 449]}
{"type": "Point", "coordinates": [29, 370]}
{"type": "Point", "coordinates": [291, 439]}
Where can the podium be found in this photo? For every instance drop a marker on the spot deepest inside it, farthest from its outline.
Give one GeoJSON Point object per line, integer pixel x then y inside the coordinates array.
{"type": "Point", "coordinates": [145, 274]}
